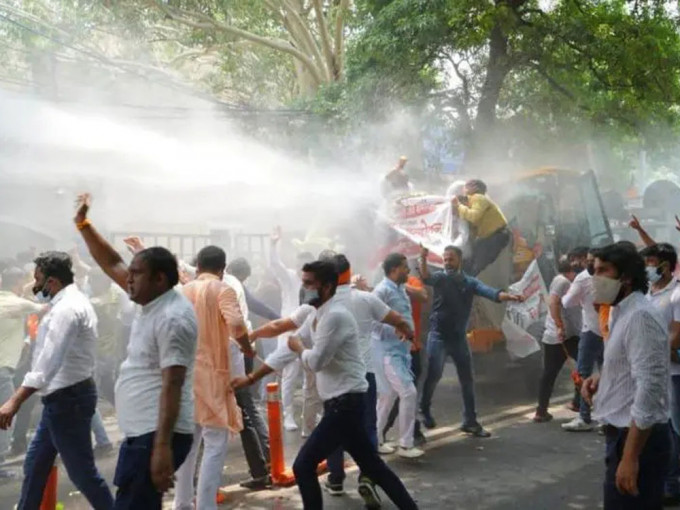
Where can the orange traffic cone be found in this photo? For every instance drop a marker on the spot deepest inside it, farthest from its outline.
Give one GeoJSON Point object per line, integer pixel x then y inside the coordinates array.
{"type": "Point", "coordinates": [280, 475]}
{"type": "Point", "coordinates": [49, 500]}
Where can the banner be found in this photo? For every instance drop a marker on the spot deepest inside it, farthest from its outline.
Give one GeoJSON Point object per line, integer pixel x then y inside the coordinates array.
{"type": "Point", "coordinates": [521, 318]}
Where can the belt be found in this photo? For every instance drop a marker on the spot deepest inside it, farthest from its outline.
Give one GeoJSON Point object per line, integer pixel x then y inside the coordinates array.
{"type": "Point", "coordinates": [346, 398]}
{"type": "Point", "coordinates": [612, 431]}
{"type": "Point", "coordinates": [70, 391]}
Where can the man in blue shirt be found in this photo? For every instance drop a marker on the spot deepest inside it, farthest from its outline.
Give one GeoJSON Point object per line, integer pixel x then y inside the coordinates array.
{"type": "Point", "coordinates": [451, 307]}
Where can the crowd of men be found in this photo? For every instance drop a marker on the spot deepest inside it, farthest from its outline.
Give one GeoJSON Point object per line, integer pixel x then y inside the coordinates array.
{"type": "Point", "coordinates": [172, 347]}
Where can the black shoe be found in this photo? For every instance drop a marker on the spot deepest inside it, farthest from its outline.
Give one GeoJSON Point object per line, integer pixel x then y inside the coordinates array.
{"type": "Point", "coordinates": [419, 439]}
{"type": "Point", "coordinates": [257, 484]}
{"type": "Point", "coordinates": [476, 430]}
{"type": "Point", "coordinates": [542, 417]}
{"type": "Point", "coordinates": [428, 420]}
{"type": "Point", "coordinates": [334, 489]}
{"type": "Point", "coordinates": [368, 493]}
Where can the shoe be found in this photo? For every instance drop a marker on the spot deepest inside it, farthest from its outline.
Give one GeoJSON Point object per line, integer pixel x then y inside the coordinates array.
{"type": "Point", "coordinates": [577, 425]}
{"type": "Point", "coordinates": [102, 450]}
{"type": "Point", "coordinates": [410, 453]}
{"type": "Point", "coordinates": [542, 417]}
{"type": "Point", "coordinates": [476, 430]}
{"type": "Point", "coordinates": [419, 439]}
{"type": "Point", "coordinates": [257, 484]}
{"type": "Point", "coordinates": [368, 493]}
{"type": "Point", "coordinates": [385, 449]}
{"type": "Point", "coordinates": [289, 424]}
{"type": "Point", "coordinates": [334, 489]}
{"type": "Point", "coordinates": [428, 421]}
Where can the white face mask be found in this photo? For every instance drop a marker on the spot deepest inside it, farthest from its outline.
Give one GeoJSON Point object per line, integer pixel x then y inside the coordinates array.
{"type": "Point", "coordinates": [653, 274]}
{"type": "Point", "coordinates": [606, 290]}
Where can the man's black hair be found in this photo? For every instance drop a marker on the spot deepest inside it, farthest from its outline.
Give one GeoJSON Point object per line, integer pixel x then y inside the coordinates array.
{"type": "Point", "coordinates": [56, 264]}
{"type": "Point", "coordinates": [392, 261]}
{"type": "Point", "coordinates": [211, 258]}
{"type": "Point", "coordinates": [11, 277]}
{"type": "Point", "coordinates": [664, 252]}
{"type": "Point", "coordinates": [456, 250]}
{"type": "Point", "coordinates": [341, 263]}
{"type": "Point", "coordinates": [580, 252]}
{"type": "Point", "coordinates": [240, 268]}
{"type": "Point", "coordinates": [161, 260]}
{"type": "Point", "coordinates": [627, 261]}
{"type": "Point", "coordinates": [324, 271]}
{"type": "Point", "coordinates": [476, 184]}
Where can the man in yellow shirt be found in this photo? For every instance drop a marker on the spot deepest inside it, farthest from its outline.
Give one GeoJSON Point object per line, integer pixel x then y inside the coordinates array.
{"type": "Point", "coordinates": [489, 225]}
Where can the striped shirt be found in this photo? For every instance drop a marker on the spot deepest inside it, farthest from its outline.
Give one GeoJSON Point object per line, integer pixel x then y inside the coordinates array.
{"type": "Point", "coordinates": [635, 374]}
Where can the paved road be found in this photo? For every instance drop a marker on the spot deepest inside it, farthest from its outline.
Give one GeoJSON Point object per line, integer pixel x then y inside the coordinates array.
{"type": "Point", "coordinates": [524, 465]}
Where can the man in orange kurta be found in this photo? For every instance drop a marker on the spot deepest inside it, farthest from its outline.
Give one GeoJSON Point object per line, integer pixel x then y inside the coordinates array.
{"type": "Point", "coordinates": [216, 412]}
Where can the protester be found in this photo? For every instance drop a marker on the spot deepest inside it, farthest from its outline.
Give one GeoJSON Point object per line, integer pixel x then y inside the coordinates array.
{"type": "Point", "coordinates": [451, 307]}
{"type": "Point", "coordinates": [591, 345]}
{"type": "Point", "coordinates": [631, 393]}
{"type": "Point", "coordinates": [560, 338]}
{"type": "Point", "coordinates": [154, 396]}
{"type": "Point", "coordinates": [341, 383]}
{"type": "Point", "coordinates": [664, 295]}
{"type": "Point", "coordinates": [394, 359]}
{"type": "Point", "coordinates": [396, 181]}
{"type": "Point", "coordinates": [290, 283]}
{"type": "Point", "coordinates": [489, 224]}
{"type": "Point", "coordinates": [216, 412]}
{"type": "Point", "coordinates": [62, 374]}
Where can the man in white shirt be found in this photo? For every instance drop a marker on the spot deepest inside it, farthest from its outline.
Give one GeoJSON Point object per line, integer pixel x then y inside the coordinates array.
{"type": "Point", "coordinates": [591, 344]}
{"type": "Point", "coordinates": [341, 382]}
{"type": "Point", "coordinates": [560, 338]}
{"type": "Point", "coordinates": [13, 313]}
{"type": "Point", "coordinates": [632, 390]}
{"type": "Point", "coordinates": [664, 295]}
{"type": "Point", "coordinates": [61, 373]}
{"type": "Point", "coordinates": [290, 283]}
{"type": "Point", "coordinates": [154, 392]}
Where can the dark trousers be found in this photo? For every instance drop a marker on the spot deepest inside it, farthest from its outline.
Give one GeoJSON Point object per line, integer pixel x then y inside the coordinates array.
{"type": "Point", "coordinates": [417, 370]}
{"type": "Point", "coordinates": [64, 428]}
{"type": "Point", "coordinates": [486, 250]}
{"type": "Point", "coordinates": [336, 460]}
{"type": "Point", "coordinates": [136, 490]}
{"type": "Point", "coordinates": [590, 353]}
{"type": "Point", "coordinates": [343, 425]}
{"type": "Point", "coordinates": [553, 361]}
{"type": "Point", "coordinates": [653, 465]}
{"type": "Point", "coordinates": [438, 348]}
{"type": "Point", "coordinates": [254, 436]}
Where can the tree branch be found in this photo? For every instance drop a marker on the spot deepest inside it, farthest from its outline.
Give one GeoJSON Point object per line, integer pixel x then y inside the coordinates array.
{"type": "Point", "coordinates": [325, 37]}
{"type": "Point", "coordinates": [303, 32]}
{"type": "Point", "coordinates": [339, 43]}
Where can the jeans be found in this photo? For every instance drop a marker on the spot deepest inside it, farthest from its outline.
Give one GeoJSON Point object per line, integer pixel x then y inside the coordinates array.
{"type": "Point", "coordinates": [590, 351]}
{"type": "Point", "coordinates": [672, 485]}
{"type": "Point", "coordinates": [64, 428]}
{"type": "Point", "coordinates": [553, 361]}
{"type": "Point", "coordinates": [6, 392]}
{"type": "Point", "coordinates": [101, 438]}
{"type": "Point", "coordinates": [653, 463]}
{"type": "Point", "coordinates": [343, 425]}
{"type": "Point", "coordinates": [133, 471]}
{"type": "Point", "coordinates": [456, 346]}
{"type": "Point", "coordinates": [215, 441]}
{"type": "Point", "coordinates": [336, 460]}
{"type": "Point", "coordinates": [254, 436]}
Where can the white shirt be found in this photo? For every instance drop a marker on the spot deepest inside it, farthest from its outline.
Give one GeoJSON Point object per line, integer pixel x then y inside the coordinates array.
{"type": "Point", "coordinates": [238, 364]}
{"type": "Point", "coordinates": [64, 351]}
{"type": "Point", "coordinates": [581, 293]}
{"type": "Point", "coordinates": [335, 355]}
{"type": "Point", "coordinates": [164, 334]}
{"type": "Point", "coordinates": [13, 313]}
{"type": "Point", "coordinates": [303, 315]}
{"type": "Point", "coordinates": [571, 317]}
{"type": "Point", "coordinates": [635, 376]}
{"type": "Point", "coordinates": [667, 302]}
{"type": "Point", "coordinates": [367, 308]}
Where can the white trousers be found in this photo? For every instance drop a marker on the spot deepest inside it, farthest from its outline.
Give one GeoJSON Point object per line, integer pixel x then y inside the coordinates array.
{"type": "Point", "coordinates": [290, 376]}
{"type": "Point", "coordinates": [210, 473]}
{"type": "Point", "coordinates": [402, 387]}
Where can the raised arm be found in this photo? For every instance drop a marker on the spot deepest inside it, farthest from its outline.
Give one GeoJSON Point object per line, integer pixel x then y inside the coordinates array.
{"type": "Point", "coordinates": [644, 236]}
{"type": "Point", "coordinates": [108, 259]}
{"type": "Point", "coordinates": [424, 271]}
{"type": "Point", "coordinates": [478, 206]}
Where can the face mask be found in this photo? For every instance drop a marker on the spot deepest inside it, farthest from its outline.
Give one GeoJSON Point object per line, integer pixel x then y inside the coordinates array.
{"type": "Point", "coordinates": [653, 273]}
{"type": "Point", "coordinates": [606, 290]}
{"type": "Point", "coordinates": [311, 297]}
{"type": "Point", "coordinates": [42, 295]}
